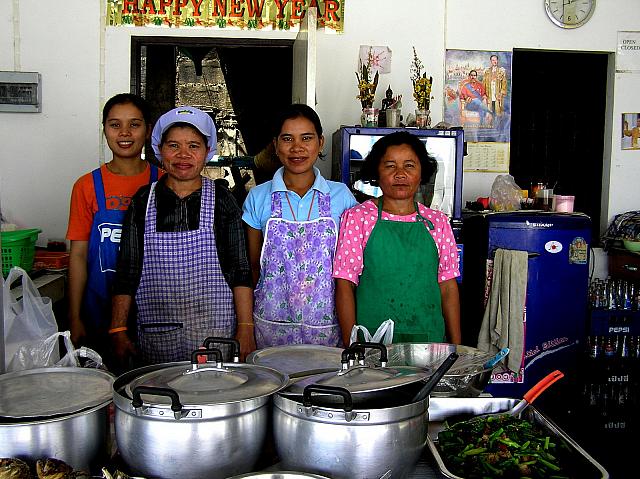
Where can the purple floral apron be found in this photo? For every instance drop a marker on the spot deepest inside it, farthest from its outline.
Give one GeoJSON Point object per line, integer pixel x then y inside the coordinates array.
{"type": "Point", "coordinates": [294, 298]}
{"type": "Point", "coordinates": [183, 296]}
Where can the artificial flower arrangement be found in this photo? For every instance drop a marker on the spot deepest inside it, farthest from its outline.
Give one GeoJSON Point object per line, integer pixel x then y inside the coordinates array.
{"type": "Point", "coordinates": [421, 84]}
{"type": "Point", "coordinates": [366, 87]}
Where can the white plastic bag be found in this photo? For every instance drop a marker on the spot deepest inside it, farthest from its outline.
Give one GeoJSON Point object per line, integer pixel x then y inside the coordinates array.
{"type": "Point", "coordinates": [383, 335]}
{"type": "Point", "coordinates": [28, 323]}
{"type": "Point", "coordinates": [40, 354]}
{"type": "Point", "coordinates": [43, 353]}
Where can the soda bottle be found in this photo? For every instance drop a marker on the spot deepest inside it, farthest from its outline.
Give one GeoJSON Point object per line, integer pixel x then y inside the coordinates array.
{"type": "Point", "coordinates": [609, 347]}
{"type": "Point", "coordinates": [595, 347]}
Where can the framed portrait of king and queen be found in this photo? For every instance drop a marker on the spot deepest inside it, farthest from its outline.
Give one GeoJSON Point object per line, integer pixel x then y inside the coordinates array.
{"type": "Point", "coordinates": [478, 94]}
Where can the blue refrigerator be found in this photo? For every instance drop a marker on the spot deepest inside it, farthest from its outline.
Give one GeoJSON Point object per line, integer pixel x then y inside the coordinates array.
{"type": "Point", "coordinates": [555, 311]}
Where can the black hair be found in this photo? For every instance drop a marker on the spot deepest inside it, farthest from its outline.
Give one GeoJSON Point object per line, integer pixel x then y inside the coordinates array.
{"type": "Point", "coordinates": [494, 55]}
{"type": "Point", "coordinates": [124, 98]}
{"type": "Point", "coordinates": [428, 164]}
{"type": "Point", "coordinates": [473, 71]}
{"type": "Point", "coordinates": [183, 124]}
{"type": "Point", "coordinates": [294, 111]}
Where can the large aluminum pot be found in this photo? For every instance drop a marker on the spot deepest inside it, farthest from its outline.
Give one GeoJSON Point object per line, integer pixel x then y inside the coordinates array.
{"type": "Point", "coordinates": [194, 420]}
{"type": "Point", "coordinates": [467, 377]}
{"type": "Point", "coordinates": [56, 412]}
{"type": "Point", "coordinates": [347, 443]}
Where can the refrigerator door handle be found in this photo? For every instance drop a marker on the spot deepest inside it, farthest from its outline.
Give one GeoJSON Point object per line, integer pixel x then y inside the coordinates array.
{"type": "Point", "coordinates": [530, 254]}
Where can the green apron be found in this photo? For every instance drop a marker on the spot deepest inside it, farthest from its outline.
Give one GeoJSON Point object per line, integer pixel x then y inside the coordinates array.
{"type": "Point", "coordinates": [400, 281]}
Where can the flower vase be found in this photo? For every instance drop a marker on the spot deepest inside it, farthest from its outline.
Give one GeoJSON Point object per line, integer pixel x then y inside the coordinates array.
{"type": "Point", "coordinates": [423, 118]}
{"type": "Point", "coordinates": [369, 117]}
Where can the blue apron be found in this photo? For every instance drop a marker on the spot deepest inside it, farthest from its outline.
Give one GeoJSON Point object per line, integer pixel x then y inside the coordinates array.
{"type": "Point", "coordinates": [104, 243]}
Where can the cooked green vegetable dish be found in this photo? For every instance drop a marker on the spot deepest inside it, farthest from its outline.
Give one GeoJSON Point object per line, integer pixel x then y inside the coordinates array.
{"type": "Point", "coordinates": [501, 446]}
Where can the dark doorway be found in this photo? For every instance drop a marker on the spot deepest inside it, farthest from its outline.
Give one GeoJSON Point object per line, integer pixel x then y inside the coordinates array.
{"type": "Point", "coordinates": [557, 124]}
{"type": "Point", "coordinates": [241, 83]}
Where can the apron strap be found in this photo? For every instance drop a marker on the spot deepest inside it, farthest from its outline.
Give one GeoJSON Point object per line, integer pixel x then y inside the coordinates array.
{"type": "Point", "coordinates": [424, 220]}
{"type": "Point", "coordinates": [153, 176]}
{"type": "Point", "coordinates": [419, 217]}
{"type": "Point", "coordinates": [324, 205]}
{"type": "Point", "coordinates": [207, 204]}
{"type": "Point", "coordinates": [150, 215]}
{"type": "Point", "coordinates": [98, 186]}
{"type": "Point", "coordinates": [276, 204]}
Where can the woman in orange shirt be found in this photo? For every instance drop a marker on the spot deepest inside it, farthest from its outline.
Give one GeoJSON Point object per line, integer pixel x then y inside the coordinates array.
{"type": "Point", "coordinates": [99, 201]}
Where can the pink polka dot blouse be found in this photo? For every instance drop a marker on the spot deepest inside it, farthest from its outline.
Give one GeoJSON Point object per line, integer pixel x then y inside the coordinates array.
{"type": "Point", "coordinates": [357, 224]}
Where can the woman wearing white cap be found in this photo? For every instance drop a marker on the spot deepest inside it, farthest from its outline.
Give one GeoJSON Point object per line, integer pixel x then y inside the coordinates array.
{"type": "Point", "coordinates": [183, 252]}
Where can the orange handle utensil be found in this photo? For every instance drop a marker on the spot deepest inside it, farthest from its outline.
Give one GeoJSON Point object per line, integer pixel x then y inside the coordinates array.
{"type": "Point", "coordinates": [535, 391]}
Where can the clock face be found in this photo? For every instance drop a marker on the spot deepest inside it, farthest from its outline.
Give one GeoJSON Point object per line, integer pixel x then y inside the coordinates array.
{"type": "Point", "coordinates": [569, 13]}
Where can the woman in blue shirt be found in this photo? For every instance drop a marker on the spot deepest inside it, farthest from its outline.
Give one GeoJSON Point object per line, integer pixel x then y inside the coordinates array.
{"type": "Point", "coordinates": [292, 234]}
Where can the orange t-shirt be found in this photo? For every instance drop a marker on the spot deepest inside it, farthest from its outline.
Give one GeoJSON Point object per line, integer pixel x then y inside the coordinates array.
{"type": "Point", "coordinates": [118, 190]}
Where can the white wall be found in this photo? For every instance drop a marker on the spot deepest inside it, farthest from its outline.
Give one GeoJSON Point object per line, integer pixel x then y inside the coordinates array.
{"type": "Point", "coordinates": [84, 63]}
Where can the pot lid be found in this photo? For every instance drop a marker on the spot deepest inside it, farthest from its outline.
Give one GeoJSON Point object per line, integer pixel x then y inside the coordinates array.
{"type": "Point", "coordinates": [295, 360]}
{"type": "Point", "coordinates": [54, 391]}
{"type": "Point", "coordinates": [363, 379]}
{"type": "Point", "coordinates": [212, 382]}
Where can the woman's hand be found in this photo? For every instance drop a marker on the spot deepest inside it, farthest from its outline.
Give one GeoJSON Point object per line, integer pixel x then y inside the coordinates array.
{"type": "Point", "coordinates": [77, 284]}
{"type": "Point", "coordinates": [78, 332]}
{"type": "Point", "coordinates": [246, 338]}
{"type": "Point", "coordinates": [243, 302]}
{"type": "Point", "coordinates": [122, 346]}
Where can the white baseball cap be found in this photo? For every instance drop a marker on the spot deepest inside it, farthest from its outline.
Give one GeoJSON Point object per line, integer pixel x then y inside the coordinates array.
{"type": "Point", "coordinates": [186, 114]}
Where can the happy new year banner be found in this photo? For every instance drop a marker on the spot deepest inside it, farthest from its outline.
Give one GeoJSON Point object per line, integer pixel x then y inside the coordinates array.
{"type": "Point", "coordinates": [243, 14]}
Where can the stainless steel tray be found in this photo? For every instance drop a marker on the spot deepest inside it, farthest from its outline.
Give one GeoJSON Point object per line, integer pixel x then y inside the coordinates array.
{"type": "Point", "coordinates": [441, 409]}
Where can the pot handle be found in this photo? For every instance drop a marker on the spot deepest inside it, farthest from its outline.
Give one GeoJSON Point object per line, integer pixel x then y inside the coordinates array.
{"type": "Point", "coordinates": [349, 356]}
{"type": "Point", "coordinates": [331, 390]}
{"type": "Point", "coordinates": [234, 343]}
{"type": "Point", "coordinates": [138, 391]}
{"type": "Point", "coordinates": [384, 357]}
{"type": "Point", "coordinates": [206, 352]}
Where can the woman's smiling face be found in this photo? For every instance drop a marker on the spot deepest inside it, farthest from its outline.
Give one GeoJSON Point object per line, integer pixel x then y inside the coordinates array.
{"type": "Point", "coordinates": [400, 172]}
{"type": "Point", "coordinates": [125, 130]}
{"type": "Point", "coordinates": [183, 152]}
{"type": "Point", "coordinates": [298, 145]}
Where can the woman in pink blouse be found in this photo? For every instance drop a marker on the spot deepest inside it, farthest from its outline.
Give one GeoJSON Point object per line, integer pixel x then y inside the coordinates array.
{"type": "Point", "coordinates": [396, 258]}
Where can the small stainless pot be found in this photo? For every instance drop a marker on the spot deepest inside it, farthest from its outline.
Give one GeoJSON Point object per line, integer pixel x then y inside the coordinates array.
{"type": "Point", "coordinates": [347, 443]}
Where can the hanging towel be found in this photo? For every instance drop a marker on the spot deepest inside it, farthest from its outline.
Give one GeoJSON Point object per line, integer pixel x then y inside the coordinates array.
{"type": "Point", "coordinates": [502, 324]}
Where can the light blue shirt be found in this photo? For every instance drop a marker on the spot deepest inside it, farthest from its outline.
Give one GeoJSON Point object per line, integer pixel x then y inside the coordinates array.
{"type": "Point", "coordinates": [256, 209]}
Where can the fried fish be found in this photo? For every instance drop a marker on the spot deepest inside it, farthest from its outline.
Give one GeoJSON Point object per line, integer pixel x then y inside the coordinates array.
{"type": "Point", "coordinates": [51, 468]}
{"type": "Point", "coordinates": [11, 468]}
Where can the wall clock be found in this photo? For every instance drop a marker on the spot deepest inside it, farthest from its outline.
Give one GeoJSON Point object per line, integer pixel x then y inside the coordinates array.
{"type": "Point", "coordinates": [569, 13]}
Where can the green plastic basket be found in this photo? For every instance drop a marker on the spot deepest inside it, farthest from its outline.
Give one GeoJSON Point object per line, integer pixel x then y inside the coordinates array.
{"type": "Point", "coordinates": [18, 249]}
